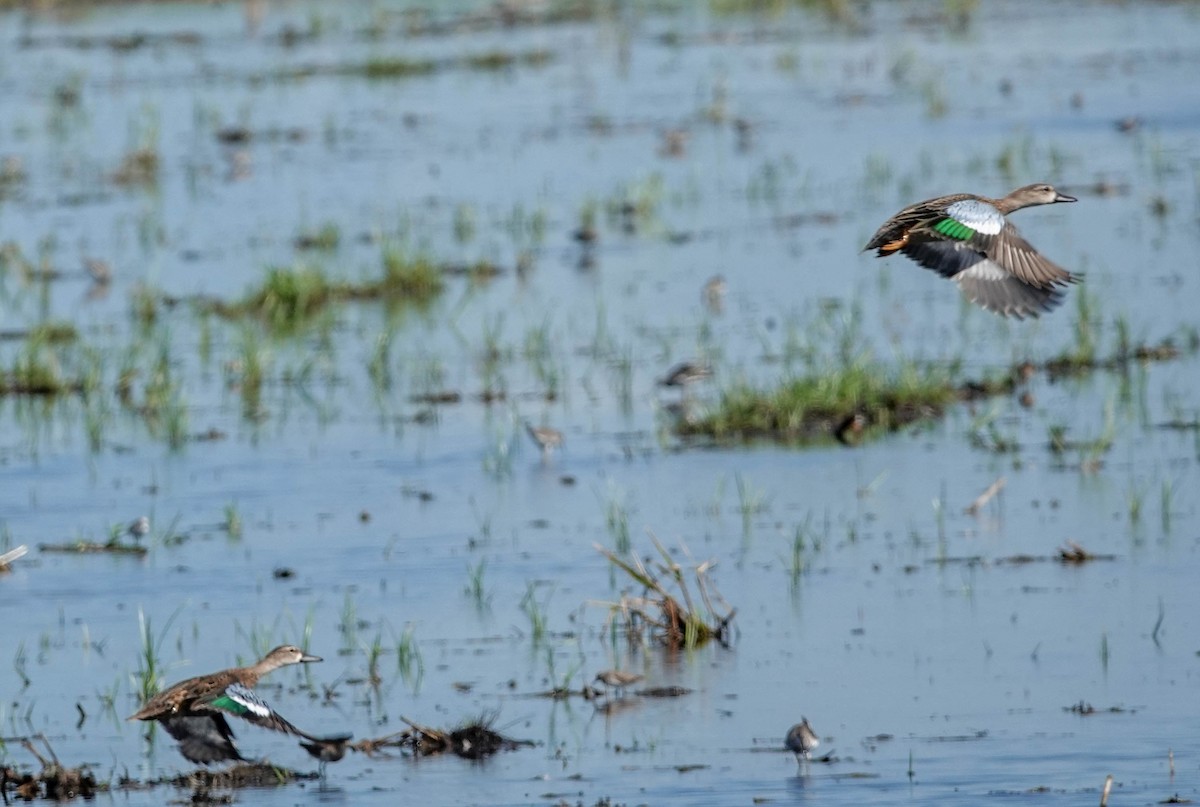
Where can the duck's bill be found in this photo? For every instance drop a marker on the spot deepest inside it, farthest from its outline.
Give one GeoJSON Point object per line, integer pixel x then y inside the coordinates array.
{"type": "Point", "coordinates": [307, 657]}
{"type": "Point", "coordinates": [1062, 197]}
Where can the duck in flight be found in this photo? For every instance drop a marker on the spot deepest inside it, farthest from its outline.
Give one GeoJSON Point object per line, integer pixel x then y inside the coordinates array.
{"type": "Point", "coordinates": [970, 240]}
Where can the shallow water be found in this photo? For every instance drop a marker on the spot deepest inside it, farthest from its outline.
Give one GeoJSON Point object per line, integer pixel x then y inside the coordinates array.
{"type": "Point", "coordinates": [904, 620]}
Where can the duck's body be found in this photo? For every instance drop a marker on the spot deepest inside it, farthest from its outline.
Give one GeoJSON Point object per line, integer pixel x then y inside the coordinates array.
{"type": "Point", "coordinates": [801, 740]}
{"type": "Point", "coordinates": [194, 711]}
{"type": "Point", "coordinates": [970, 240]}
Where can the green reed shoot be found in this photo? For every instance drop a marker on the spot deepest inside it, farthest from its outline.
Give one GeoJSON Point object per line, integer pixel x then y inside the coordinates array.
{"type": "Point", "coordinates": [475, 588]}
{"type": "Point", "coordinates": [232, 522]}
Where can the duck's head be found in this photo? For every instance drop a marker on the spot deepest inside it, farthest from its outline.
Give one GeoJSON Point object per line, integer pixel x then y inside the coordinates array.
{"type": "Point", "coordinates": [287, 654]}
{"type": "Point", "coordinates": [1039, 193]}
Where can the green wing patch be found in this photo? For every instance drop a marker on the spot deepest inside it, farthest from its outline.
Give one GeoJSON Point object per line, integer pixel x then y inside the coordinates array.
{"type": "Point", "coordinates": [228, 704]}
{"type": "Point", "coordinates": [951, 228]}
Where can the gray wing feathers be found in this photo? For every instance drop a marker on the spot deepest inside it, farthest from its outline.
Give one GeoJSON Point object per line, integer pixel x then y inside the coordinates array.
{"type": "Point", "coordinates": [990, 287]}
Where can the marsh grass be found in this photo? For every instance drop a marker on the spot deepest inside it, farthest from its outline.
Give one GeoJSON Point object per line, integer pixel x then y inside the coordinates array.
{"type": "Point", "coordinates": [232, 521]}
{"type": "Point", "coordinates": [20, 665]}
{"type": "Point", "coordinates": [1090, 450]}
{"type": "Point", "coordinates": [616, 519]}
{"type": "Point", "coordinates": [374, 652]}
{"type": "Point", "coordinates": [475, 588]}
{"type": "Point", "coordinates": [810, 408]}
{"type": "Point", "coordinates": [537, 613]}
{"type": "Point", "coordinates": [38, 369]}
{"type": "Point", "coordinates": [349, 624]}
{"type": "Point", "coordinates": [291, 296]}
{"type": "Point", "coordinates": [379, 68]}
{"type": "Point", "coordinates": [1166, 497]}
{"type": "Point", "coordinates": [409, 661]}
{"type": "Point", "coordinates": [148, 679]}
{"type": "Point", "coordinates": [669, 621]}
{"type": "Point", "coordinates": [751, 501]}
{"type": "Point", "coordinates": [325, 238]}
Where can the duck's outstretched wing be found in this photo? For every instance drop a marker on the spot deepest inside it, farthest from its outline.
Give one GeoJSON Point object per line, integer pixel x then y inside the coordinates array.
{"type": "Point", "coordinates": [245, 703]}
{"type": "Point", "coordinates": [986, 282]}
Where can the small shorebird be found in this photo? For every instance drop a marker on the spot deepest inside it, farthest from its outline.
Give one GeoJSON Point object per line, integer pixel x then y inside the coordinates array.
{"type": "Point", "coordinates": [99, 271]}
{"type": "Point", "coordinates": [801, 740]}
{"type": "Point", "coordinates": [139, 528]}
{"type": "Point", "coordinates": [193, 711]}
{"type": "Point", "coordinates": [713, 294]}
{"type": "Point", "coordinates": [617, 679]}
{"type": "Point", "coordinates": [547, 438]}
{"type": "Point", "coordinates": [685, 374]}
{"type": "Point", "coordinates": [970, 240]}
{"type": "Point", "coordinates": [327, 749]}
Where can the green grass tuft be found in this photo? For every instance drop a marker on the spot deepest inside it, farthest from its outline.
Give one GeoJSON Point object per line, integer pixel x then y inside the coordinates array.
{"type": "Point", "coordinates": [811, 407]}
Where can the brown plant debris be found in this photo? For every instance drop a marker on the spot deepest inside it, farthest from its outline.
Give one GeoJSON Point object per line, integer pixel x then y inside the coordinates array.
{"type": "Point", "coordinates": [1085, 709]}
{"type": "Point", "coordinates": [113, 547]}
{"type": "Point", "coordinates": [670, 622]}
{"type": "Point", "coordinates": [475, 739]}
{"type": "Point", "coordinates": [663, 692]}
{"type": "Point", "coordinates": [53, 781]}
{"type": "Point", "coordinates": [250, 774]}
{"type": "Point", "coordinates": [1074, 554]}
{"type": "Point", "coordinates": [983, 498]}
{"type": "Point", "coordinates": [11, 556]}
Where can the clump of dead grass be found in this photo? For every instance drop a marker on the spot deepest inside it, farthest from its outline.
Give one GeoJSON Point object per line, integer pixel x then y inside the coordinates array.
{"type": "Point", "coordinates": [675, 622]}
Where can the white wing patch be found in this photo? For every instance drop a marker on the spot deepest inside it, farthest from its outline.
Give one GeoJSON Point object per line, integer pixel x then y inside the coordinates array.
{"type": "Point", "coordinates": [979, 216]}
{"type": "Point", "coordinates": [985, 270]}
{"type": "Point", "coordinates": [246, 697]}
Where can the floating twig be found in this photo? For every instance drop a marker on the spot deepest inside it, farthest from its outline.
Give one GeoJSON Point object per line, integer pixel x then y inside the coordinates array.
{"type": "Point", "coordinates": [983, 498]}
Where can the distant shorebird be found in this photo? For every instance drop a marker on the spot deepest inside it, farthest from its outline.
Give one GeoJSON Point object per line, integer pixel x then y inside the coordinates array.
{"type": "Point", "coordinates": [547, 438]}
{"type": "Point", "coordinates": [970, 240]}
{"type": "Point", "coordinates": [685, 374]}
{"type": "Point", "coordinates": [193, 711]}
{"type": "Point", "coordinates": [327, 749]}
{"type": "Point", "coordinates": [801, 740]}
{"type": "Point", "coordinates": [617, 679]}
{"type": "Point", "coordinates": [99, 271]}
{"type": "Point", "coordinates": [714, 293]}
{"type": "Point", "coordinates": [139, 528]}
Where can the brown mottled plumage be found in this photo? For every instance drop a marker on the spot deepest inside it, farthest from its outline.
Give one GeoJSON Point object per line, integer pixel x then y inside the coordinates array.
{"type": "Point", "coordinates": [193, 711]}
{"type": "Point", "coordinates": [969, 239]}
{"type": "Point", "coordinates": [617, 679]}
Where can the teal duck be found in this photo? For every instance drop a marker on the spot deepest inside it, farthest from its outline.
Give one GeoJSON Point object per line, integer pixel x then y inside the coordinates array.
{"type": "Point", "coordinates": [193, 711]}
{"type": "Point", "coordinates": [801, 740]}
{"type": "Point", "coordinates": [970, 240]}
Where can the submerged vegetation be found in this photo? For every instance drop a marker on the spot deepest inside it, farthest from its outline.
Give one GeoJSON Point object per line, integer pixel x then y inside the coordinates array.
{"type": "Point", "coordinates": [291, 296]}
{"type": "Point", "coordinates": [836, 404]}
{"type": "Point", "coordinates": [658, 614]}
